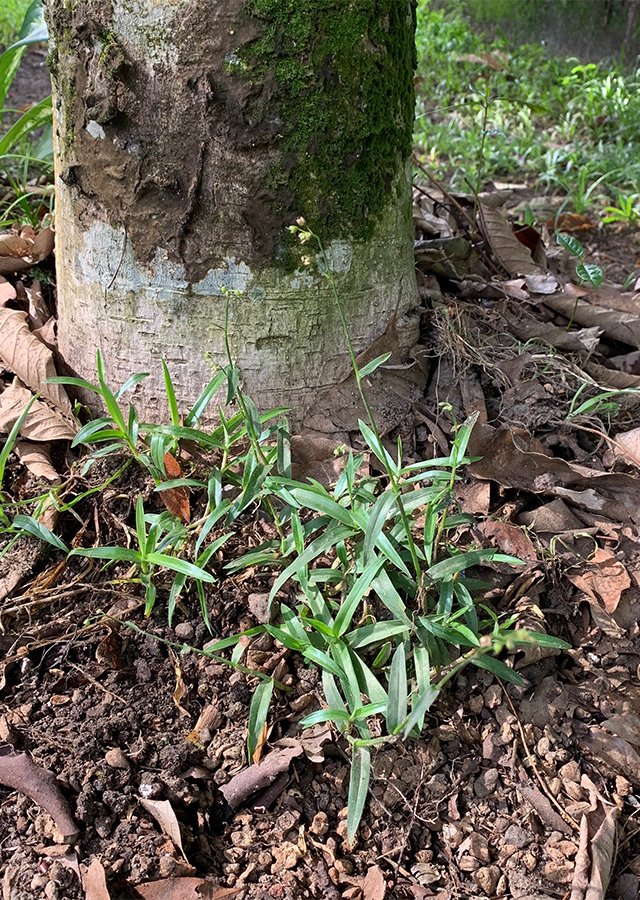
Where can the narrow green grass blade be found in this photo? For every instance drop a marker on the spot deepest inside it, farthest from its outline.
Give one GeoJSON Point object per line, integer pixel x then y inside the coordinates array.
{"type": "Point", "coordinates": [425, 701]}
{"type": "Point", "coordinates": [120, 554]}
{"type": "Point", "coordinates": [171, 395]}
{"type": "Point", "coordinates": [377, 520]}
{"type": "Point", "coordinates": [39, 114]}
{"type": "Point", "coordinates": [358, 787]}
{"type": "Point", "coordinates": [355, 595]}
{"type": "Point", "coordinates": [180, 565]}
{"type": "Point", "coordinates": [398, 696]}
{"type": "Point", "coordinates": [258, 712]}
{"type": "Point", "coordinates": [37, 529]}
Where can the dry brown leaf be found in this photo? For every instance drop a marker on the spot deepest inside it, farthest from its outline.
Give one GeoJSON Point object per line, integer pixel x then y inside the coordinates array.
{"type": "Point", "coordinates": [374, 885]}
{"type": "Point", "coordinates": [39, 312]}
{"type": "Point", "coordinates": [7, 291]}
{"type": "Point", "coordinates": [32, 362]}
{"type": "Point", "coordinates": [595, 851]}
{"type": "Point", "coordinates": [175, 499]}
{"type": "Point", "coordinates": [621, 326]}
{"type": "Point", "coordinates": [508, 250]}
{"type": "Point", "coordinates": [627, 446]}
{"type": "Point", "coordinates": [209, 721]}
{"type": "Point", "coordinates": [94, 881]}
{"type": "Point", "coordinates": [180, 688]}
{"type": "Point", "coordinates": [258, 777]}
{"type": "Point", "coordinates": [613, 752]}
{"type": "Point", "coordinates": [625, 726]}
{"type": "Point", "coordinates": [614, 379]}
{"type": "Point", "coordinates": [509, 539]}
{"type": "Point", "coordinates": [19, 252]}
{"type": "Point", "coordinates": [42, 422]}
{"type": "Point", "coordinates": [542, 283]}
{"type": "Point", "coordinates": [47, 334]}
{"type": "Point", "coordinates": [527, 329]}
{"type": "Point", "coordinates": [517, 460]}
{"type": "Point", "coordinates": [186, 889]}
{"type": "Point", "coordinates": [19, 772]}
{"type": "Point", "coordinates": [37, 459]}
{"type": "Point", "coordinates": [605, 577]}
{"type": "Point", "coordinates": [570, 222]}
{"type": "Point", "coordinates": [163, 813]}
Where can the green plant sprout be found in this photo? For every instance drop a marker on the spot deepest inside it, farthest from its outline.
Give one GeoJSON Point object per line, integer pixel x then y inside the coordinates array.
{"type": "Point", "coordinates": [627, 211]}
{"type": "Point", "coordinates": [588, 273]}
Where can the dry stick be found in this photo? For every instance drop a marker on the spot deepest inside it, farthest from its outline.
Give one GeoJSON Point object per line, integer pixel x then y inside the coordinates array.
{"type": "Point", "coordinates": [626, 452]}
{"type": "Point", "coordinates": [96, 683]}
{"type": "Point", "coordinates": [543, 784]}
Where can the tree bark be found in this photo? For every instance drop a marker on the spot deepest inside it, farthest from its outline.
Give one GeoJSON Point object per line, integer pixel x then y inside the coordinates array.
{"type": "Point", "coordinates": [188, 136]}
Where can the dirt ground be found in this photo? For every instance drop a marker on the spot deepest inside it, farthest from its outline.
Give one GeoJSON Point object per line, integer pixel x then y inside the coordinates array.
{"type": "Point", "coordinates": [511, 792]}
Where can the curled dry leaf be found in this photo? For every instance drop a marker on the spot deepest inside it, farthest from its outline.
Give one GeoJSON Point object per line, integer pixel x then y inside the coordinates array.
{"type": "Point", "coordinates": [25, 355]}
{"type": "Point", "coordinates": [42, 422]}
{"type": "Point", "coordinates": [7, 291]}
{"type": "Point", "coordinates": [18, 252]}
{"type": "Point", "coordinates": [163, 813]}
{"type": "Point", "coordinates": [624, 327]}
{"type": "Point", "coordinates": [627, 447]}
{"type": "Point", "coordinates": [508, 250]}
{"type": "Point", "coordinates": [509, 539]}
{"type": "Point", "coordinates": [596, 847]}
{"type": "Point", "coordinates": [19, 772]}
{"type": "Point", "coordinates": [37, 459]}
{"type": "Point", "coordinates": [47, 334]}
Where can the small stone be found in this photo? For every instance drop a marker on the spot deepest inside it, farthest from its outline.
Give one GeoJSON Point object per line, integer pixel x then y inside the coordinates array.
{"type": "Point", "coordinates": [493, 696]}
{"type": "Point", "coordinates": [570, 771]}
{"type": "Point", "coordinates": [467, 863]}
{"type": "Point", "coordinates": [572, 790]}
{"type": "Point", "coordinates": [623, 787]}
{"type": "Point", "coordinates": [116, 759]}
{"type": "Point", "coordinates": [479, 847]}
{"type": "Point", "coordinates": [555, 786]}
{"type": "Point", "coordinates": [344, 866]}
{"type": "Point", "coordinates": [51, 890]}
{"type": "Point", "coordinates": [320, 824]}
{"type": "Point", "coordinates": [558, 872]}
{"type": "Point", "coordinates": [259, 606]}
{"type": "Point", "coordinates": [185, 631]}
{"type": "Point", "coordinates": [502, 887]}
{"type": "Point", "coordinates": [286, 856]}
{"type": "Point", "coordinates": [38, 882]}
{"type": "Point", "coordinates": [486, 783]}
{"type": "Point", "coordinates": [518, 837]}
{"type": "Point", "coordinates": [487, 879]}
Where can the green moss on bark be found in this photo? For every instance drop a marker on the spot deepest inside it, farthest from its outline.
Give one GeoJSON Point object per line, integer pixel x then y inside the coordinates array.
{"type": "Point", "coordinates": [340, 81]}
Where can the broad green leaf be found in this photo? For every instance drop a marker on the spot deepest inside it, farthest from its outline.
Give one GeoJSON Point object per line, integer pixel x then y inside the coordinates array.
{"type": "Point", "coordinates": [284, 451]}
{"type": "Point", "coordinates": [376, 445]}
{"type": "Point", "coordinates": [571, 244]}
{"type": "Point", "coordinates": [398, 695]}
{"type": "Point", "coordinates": [38, 115]}
{"type": "Point", "coordinates": [590, 274]}
{"type": "Point", "coordinates": [131, 381]}
{"type": "Point", "coordinates": [258, 712]}
{"type": "Point", "coordinates": [37, 529]}
{"type": "Point", "coordinates": [318, 546]}
{"type": "Point", "coordinates": [385, 590]}
{"type": "Point", "coordinates": [358, 787]}
{"type": "Point", "coordinates": [321, 503]}
{"type": "Point", "coordinates": [203, 400]}
{"type": "Point", "coordinates": [374, 634]}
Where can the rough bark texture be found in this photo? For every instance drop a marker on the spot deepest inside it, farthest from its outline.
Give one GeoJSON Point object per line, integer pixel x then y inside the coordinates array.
{"type": "Point", "coordinates": [188, 136]}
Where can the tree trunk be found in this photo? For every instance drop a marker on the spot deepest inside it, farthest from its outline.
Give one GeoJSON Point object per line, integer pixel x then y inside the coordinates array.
{"type": "Point", "coordinates": [188, 136]}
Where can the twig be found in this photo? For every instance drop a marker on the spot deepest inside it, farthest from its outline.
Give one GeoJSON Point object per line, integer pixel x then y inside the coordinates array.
{"type": "Point", "coordinates": [543, 784]}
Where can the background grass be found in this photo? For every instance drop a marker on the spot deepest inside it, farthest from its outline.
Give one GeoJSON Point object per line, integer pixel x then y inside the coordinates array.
{"type": "Point", "coordinates": [11, 16]}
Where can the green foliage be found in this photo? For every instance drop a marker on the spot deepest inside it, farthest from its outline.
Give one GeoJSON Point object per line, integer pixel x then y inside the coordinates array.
{"type": "Point", "coordinates": [12, 13]}
{"type": "Point", "coordinates": [575, 126]}
{"type": "Point", "coordinates": [22, 158]}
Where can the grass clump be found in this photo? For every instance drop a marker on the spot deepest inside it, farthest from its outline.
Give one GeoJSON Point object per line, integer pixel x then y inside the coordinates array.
{"type": "Point", "coordinates": [520, 113]}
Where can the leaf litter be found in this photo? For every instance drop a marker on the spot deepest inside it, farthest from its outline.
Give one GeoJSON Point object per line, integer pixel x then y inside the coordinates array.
{"type": "Point", "coordinates": [513, 791]}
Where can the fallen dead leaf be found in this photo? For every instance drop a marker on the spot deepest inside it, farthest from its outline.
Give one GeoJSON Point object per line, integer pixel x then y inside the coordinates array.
{"type": "Point", "coordinates": [627, 446]}
{"type": "Point", "coordinates": [509, 539]}
{"type": "Point", "coordinates": [625, 726]}
{"type": "Point", "coordinates": [19, 772]}
{"type": "Point", "coordinates": [185, 889]}
{"type": "Point", "coordinates": [163, 813]}
{"type": "Point", "coordinates": [25, 355]}
{"type": "Point", "coordinates": [180, 689]}
{"type": "Point", "coordinates": [510, 253]}
{"type": "Point", "coordinates": [596, 847]}
{"type": "Point", "coordinates": [209, 721]}
{"type": "Point", "coordinates": [175, 499]}
{"type": "Point", "coordinates": [42, 423]}
{"type": "Point", "coordinates": [374, 885]}
{"type": "Point", "coordinates": [621, 326]}
{"type": "Point", "coordinates": [18, 252]}
{"type": "Point", "coordinates": [94, 881]}
{"type": "Point", "coordinates": [37, 459]}
{"type": "Point", "coordinates": [605, 577]}
{"type": "Point", "coordinates": [7, 291]}
{"type": "Point", "coordinates": [616, 753]}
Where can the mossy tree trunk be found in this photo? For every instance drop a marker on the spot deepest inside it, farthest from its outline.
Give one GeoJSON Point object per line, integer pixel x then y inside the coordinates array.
{"type": "Point", "coordinates": [188, 136]}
